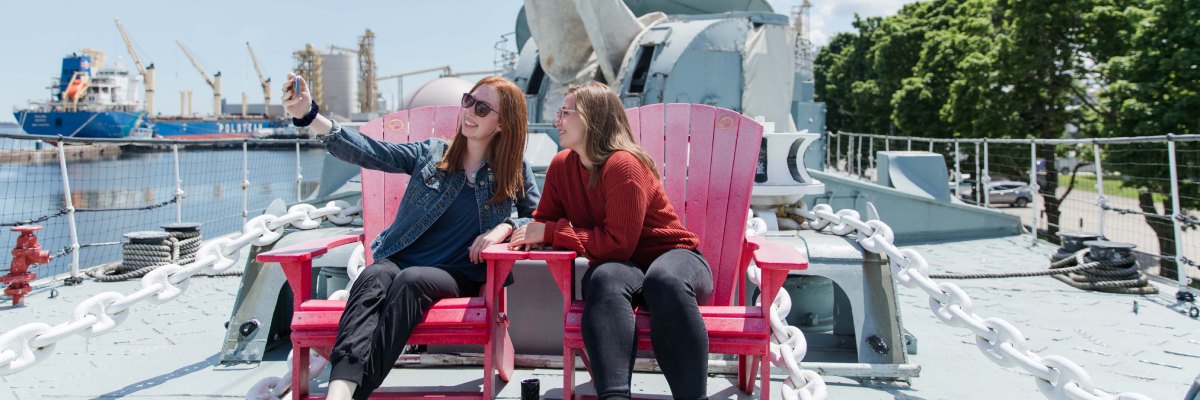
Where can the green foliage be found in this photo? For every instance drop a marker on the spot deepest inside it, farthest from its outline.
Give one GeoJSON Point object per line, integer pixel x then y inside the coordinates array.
{"type": "Point", "coordinates": [1156, 91]}
{"type": "Point", "coordinates": [1030, 68]}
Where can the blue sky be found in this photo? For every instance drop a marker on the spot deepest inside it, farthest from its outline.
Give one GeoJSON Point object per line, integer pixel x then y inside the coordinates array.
{"type": "Point", "coordinates": [410, 35]}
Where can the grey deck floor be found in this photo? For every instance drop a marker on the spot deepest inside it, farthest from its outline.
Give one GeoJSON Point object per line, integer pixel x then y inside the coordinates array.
{"type": "Point", "coordinates": [169, 351]}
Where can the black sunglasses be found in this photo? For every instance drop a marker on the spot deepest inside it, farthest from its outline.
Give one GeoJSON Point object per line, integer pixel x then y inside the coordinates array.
{"type": "Point", "coordinates": [481, 109]}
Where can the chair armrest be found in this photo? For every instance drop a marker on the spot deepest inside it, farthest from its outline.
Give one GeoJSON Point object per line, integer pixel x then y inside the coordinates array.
{"type": "Point", "coordinates": [296, 261]}
{"type": "Point", "coordinates": [549, 254]}
{"type": "Point", "coordinates": [560, 262]}
{"type": "Point", "coordinates": [311, 249]}
{"type": "Point", "coordinates": [775, 256]}
{"type": "Point", "coordinates": [500, 251]}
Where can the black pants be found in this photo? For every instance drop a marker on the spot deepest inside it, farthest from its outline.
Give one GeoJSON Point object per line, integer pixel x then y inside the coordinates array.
{"type": "Point", "coordinates": [672, 287]}
{"type": "Point", "coordinates": [385, 305]}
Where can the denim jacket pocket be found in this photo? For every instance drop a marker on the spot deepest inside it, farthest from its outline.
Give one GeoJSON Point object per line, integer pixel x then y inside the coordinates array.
{"type": "Point", "coordinates": [430, 176]}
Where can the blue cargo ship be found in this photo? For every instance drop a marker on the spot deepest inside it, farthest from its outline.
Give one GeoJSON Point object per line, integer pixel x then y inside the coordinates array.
{"type": "Point", "coordinates": [90, 100]}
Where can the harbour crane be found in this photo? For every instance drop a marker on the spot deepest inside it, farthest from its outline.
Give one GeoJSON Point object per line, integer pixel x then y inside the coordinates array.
{"type": "Point", "coordinates": [266, 83]}
{"type": "Point", "coordinates": [146, 71]}
{"type": "Point", "coordinates": [214, 82]}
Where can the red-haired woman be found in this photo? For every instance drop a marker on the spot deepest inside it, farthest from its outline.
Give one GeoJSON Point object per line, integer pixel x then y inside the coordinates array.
{"type": "Point", "coordinates": [459, 201]}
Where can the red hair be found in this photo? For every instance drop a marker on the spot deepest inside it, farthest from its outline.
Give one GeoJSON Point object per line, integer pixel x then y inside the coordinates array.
{"type": "Point", "coordinates": [507, 149]}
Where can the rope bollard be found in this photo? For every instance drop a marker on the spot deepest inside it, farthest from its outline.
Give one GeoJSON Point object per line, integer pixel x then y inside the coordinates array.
{"type": "Point", "coordinates": [147, 250]}
{"type": "Point", "coordinates": [187, 238]}
{"type": "Point", "coordinates": [1117, 273]}
{"type": "Point", "coordinates": [143, 252]}
{"type": "Point", "coordinates": [27, 253]}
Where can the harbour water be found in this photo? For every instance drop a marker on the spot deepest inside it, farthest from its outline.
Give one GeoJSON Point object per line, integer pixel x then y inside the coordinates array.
{"type": "Point", "coordinates": [131, 190]}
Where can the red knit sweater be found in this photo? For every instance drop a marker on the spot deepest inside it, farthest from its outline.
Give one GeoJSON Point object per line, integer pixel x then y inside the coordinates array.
{"type": "Point", "coordinates": [626, 217]}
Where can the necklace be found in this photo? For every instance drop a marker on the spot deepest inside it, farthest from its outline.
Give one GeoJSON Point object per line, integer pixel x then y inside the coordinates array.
{"type": "Point", "coordinates": [471, 175]}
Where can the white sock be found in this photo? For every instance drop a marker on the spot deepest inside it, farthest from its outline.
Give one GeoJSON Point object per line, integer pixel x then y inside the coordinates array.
{"type": "Point", "coordinates": [340, 389]}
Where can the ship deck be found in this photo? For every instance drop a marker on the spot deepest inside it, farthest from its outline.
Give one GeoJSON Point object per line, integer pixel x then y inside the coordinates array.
{"type": "Point", "coordinates": [1141, 344]}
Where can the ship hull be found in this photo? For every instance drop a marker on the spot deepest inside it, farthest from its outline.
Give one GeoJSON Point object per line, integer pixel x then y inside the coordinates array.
{"type": "Point", "coordinates": [208, 129]}
{"type": "Point", "coordinates": [84, 124]}
{"type": "Point", "coordinates": [115, 124]}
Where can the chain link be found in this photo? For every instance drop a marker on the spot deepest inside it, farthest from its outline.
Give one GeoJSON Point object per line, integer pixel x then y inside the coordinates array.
{"type": "Point", "coordinates": [788, 347]}
{"type": "Point", "coordinates": [273, 388]}
{"type": "Point", "coordinates": [1001, 342]}
{"type": "Point", "coordinates": [30, 343]}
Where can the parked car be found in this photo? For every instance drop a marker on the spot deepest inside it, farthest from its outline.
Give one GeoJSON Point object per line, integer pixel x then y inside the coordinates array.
{"type": "Point", "coordinates": [1013, 193]}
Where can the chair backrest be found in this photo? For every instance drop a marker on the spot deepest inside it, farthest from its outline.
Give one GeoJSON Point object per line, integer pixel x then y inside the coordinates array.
{"type": "Point", "coordinates": [707, 158]}
{"type": "Point", "coordinates": [381, 192]}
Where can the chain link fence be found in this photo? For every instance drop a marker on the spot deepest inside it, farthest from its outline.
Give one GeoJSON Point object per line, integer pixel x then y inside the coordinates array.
{"type": "Point", "coordinates": [121, 186]}
{"type": "Point", "coordinates": [1121, 188]}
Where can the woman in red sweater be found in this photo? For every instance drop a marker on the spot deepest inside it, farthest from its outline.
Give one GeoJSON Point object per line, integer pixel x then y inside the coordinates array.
{"type": "Point", "coordinates": [604, 200]}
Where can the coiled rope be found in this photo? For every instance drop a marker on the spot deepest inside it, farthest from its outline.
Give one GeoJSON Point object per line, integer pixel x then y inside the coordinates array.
{"type": "Point", "coordinates": [138, 259]}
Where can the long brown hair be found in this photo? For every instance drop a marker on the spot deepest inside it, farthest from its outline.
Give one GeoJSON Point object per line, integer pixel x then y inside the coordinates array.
{"type": "Point", "coordinates": [605, 127]}
{"type": "Point", "coordinates": [507, 149]}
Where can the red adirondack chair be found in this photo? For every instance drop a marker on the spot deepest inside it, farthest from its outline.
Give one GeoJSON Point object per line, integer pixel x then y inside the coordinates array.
{"type": "Point", "coordinates": [707, 157]}
{"type": "Point", "coordinates": [476, 320]}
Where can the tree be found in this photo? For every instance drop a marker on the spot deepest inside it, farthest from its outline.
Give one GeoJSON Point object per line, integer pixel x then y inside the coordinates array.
{"type": "Point", "coordinates": [845, 79]}
{"type": "Point", "coordinates": [1033, 64]}
{"type": "Point", "coordinates": [898, 50]}
{"type": "Point", "coordinates": [1031, 69]}
{"type": "Point", "coordinates": [1157, 91]}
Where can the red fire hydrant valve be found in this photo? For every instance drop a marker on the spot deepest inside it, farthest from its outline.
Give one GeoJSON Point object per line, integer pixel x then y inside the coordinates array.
{"type": "Point", "coordinates": [27, 254]}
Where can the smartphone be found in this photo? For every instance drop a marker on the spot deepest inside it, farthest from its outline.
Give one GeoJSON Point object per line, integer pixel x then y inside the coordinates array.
{"type": "Point", "coordinates": [296, 87]}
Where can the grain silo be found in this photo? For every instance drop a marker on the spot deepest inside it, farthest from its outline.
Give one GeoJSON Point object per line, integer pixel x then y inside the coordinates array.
{"type": "Point", "coordinates": [339, 75]}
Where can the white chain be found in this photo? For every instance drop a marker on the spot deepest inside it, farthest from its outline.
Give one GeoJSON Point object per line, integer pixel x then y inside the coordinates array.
{"type": "Point", "coordinates": [272, 388]}
{"type": "Point", "coordinates": [788, 348]}
{"type": "Point", "coordinates": [788, 345]}
{"type": "Point", "coordinates": [30, 343]}
{"type": "Point", "coordinates": [1057, 377]}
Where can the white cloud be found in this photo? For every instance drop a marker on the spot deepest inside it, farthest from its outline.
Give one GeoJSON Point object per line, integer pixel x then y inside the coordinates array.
{"type": "Point", "coordinates": [829, 17]}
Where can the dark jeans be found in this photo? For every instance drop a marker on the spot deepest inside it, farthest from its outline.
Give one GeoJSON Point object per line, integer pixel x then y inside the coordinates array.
{"type": "Point", "coordinates": [672, 287]}
{"type": "Point", "coordinates": [385, 305]}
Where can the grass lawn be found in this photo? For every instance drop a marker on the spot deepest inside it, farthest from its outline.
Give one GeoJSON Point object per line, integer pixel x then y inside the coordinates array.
{"type": "Point", "coordinates": [1112, 187]}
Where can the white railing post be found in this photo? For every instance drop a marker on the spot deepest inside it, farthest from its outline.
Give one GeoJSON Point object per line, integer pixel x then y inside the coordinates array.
{"type": "Point", "coordinates": [838, 152]}
{"type": "Point", "coordinates": [858, 156]}
{"type": "Point", "coordinates": [887, 143]}
{"type": "Point", "coordinates": [909, 142]}
{"type": "Point", "coordinates": [930, 145]}
{"type": "Point", "coordinates": [978, 180]}
{"type": "Point", "coordinates": [62, 167]}
{"type": "Point", "coordinates": [826, 145]}
{"type": "Point", "coordinates": [957, 173]}
{"type": "Point", "coordinates": [849, 154]}
{"type": "Point", "coordinates": [299, 177]}
{"type": "Point", "coordinates": [1176, 214]}
{"type": "Point", "coordinates": [871, 156]}
{"type": "Point", "coordinates": [987, 177]}
{"type": "Point", "coordinates": [1100, 200]}
{"type": "Point", "coordinates": [245, 182]}
{"type": "Point", "coordinates": [1033, 186]}
{"type": "Point", "coordinates": [178, 185]}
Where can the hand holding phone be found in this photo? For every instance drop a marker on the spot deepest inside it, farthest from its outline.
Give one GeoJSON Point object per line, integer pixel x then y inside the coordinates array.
{"type": "Point", "coordinates": [296, 105]}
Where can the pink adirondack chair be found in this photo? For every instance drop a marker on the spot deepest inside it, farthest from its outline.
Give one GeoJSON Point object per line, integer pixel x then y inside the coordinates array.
{"type": "Point", "coordinates": [476, 320]}
{"type": "Point", "coordinates": [707, 157]}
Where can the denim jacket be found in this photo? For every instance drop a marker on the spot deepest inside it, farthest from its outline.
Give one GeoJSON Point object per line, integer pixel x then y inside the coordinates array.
{"type": "Point", "coordinates": [430, 190]}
